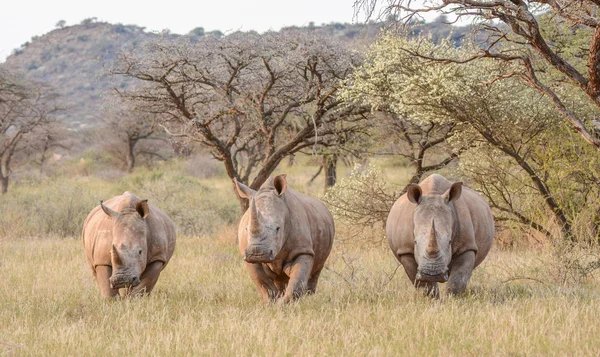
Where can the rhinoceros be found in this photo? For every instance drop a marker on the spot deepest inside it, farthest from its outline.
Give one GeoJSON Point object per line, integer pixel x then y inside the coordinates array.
{"type": "Point", "coordinates": [440, 231]}
{"type": "Point", "coordinates": [127, 243]}
{"type": "Point", "coordinates": [285, 238]}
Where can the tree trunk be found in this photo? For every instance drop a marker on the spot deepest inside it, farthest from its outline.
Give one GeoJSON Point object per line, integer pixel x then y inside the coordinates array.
{"type": "Point", "coordinates": [43, 158]}
{"type": "Point", "coordinates": [330, 171]}
{"type": "Point", "coordinates": [129, 155]}
{"type": "Point", "coordinates": [3, 185]}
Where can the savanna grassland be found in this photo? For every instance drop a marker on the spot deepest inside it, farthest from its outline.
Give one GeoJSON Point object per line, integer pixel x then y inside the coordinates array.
{"type": "Point", "coordinates": [520, 301]}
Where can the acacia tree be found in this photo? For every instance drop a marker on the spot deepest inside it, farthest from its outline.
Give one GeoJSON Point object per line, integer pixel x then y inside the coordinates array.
{"type": "Point", "coordinates": [251, 99]}
{"type": "Point", "coordinates": [126, 130]}
{"type": "Point", "coordinates": [44, 140]}
{"type": "Point", "coordinates": [532, 35]}
{"type": "Point", "coordinates": [25, 109]}
{"type": "Point", "coordinates": [423, 144]}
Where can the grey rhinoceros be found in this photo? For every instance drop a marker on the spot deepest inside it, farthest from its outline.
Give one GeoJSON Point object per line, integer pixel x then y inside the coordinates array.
{"type": "Point", "coordinates": [285, 238]}
{"type": "Point", "coordinates": [440, 231]}
{"type": "Point", "coordinates": [127, 243]}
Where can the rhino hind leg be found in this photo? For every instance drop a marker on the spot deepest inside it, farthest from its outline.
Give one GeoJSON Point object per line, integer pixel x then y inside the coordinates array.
{"type": "Point", "coordinates": [103, 273]}
{"type": "Point", "coordinates": [311, 288]}
{"type": "Point", "coordinates": [461, 268]}
{"type": "Point", "coordinates": [410, 267]}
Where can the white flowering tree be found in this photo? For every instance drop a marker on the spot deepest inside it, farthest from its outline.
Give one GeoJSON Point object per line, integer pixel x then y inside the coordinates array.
{"type": "Point", "coordinates": [553, 46]}
{"type": "Point", "coordinates": [518, 148]}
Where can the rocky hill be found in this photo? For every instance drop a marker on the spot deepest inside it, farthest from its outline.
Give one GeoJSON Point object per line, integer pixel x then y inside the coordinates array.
{"type": "Point", "coordinates": [71, 59]}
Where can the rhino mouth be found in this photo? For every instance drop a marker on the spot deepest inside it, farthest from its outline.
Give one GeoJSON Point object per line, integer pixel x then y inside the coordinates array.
{"type": "Point", "coordinates": [432, 278]}
{"type": "Point", "coordinates": [258, 255]}
{"type": "Point", "coordinates": [120, 281]}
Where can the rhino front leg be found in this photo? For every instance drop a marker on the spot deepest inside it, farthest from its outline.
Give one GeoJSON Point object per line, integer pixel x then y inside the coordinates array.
{"type": "Point", "coordinates": [103, 273]}
{"type": "Point", "coordinates": [299, 272]}
{"type": "Point", "coordinates": [148, 279]}
{"type": "Point", "coordinates": [281, 284]}
{"type": "Point", "coordinates": [461, 268]}
{"type": "Point", "coordinates": [410, 267]}
{"type": "Point", "coordinates": [265, 284]}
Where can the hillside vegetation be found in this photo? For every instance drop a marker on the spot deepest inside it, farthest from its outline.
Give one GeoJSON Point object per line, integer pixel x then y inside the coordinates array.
{"type": "Point", "coordinates": [72, 59]}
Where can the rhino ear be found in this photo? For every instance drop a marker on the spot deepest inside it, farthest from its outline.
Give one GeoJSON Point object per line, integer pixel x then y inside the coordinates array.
{"type": "Point", "coordinates": [280, 183]}
{"type": "Point", "coordinates": [414, 193]}
{"type": "Point", "coordinates": [109, 212]}
{"type": "Point", "coordinates": [453, 192]}
{"type": "Point", "coordinates": [243, 190]}
{"type": "Point", "coordinates": [143, 209]}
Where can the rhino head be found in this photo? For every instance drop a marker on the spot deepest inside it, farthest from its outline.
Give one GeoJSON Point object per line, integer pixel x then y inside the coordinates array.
{"type": "Point", "coordinates": [130, 245]}
{"type": "Point", "coordinates": [267, 217]}
{"type": "Point", "coordinates": [434, 227]}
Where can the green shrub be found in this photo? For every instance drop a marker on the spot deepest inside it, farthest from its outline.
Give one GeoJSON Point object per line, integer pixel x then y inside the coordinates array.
{"type": "Point", "coordinates": [58, 207]}
{"type": "Point", "coordinates": [361, 201]}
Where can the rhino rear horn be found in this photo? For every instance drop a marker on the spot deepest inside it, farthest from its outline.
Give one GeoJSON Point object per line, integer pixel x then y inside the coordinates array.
{"type": "Point", "coordinates": [143, 209]}
{"type": "Point", "coordinates": [255, 218]}
{"type": "Point", "coordinates": [109, 212]}
{"type": "Point", "coordinates": [243, 190]}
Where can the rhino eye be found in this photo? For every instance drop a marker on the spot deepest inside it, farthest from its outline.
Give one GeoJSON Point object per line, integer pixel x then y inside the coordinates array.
{"type": "Point", "coordinates": [277, 229]}
{"type": "Point", "coordinates": [140, 252]}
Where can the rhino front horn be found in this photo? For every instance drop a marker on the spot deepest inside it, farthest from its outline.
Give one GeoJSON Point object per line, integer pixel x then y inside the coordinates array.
{"type": "Point", "coordinates": [255, 219]}
{"type": "Point", "coordinates": [432, 245]}
{"type": "Point", "coordinates": [115, 255]}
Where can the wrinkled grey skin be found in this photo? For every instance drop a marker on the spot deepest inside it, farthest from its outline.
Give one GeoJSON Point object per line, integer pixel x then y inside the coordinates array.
{"type": "Point", "coordinates": [127, 243]}
{"type": "Point", "coordinates": [285, 238]}
{"type": "Point", "coordinates": [440, 231]}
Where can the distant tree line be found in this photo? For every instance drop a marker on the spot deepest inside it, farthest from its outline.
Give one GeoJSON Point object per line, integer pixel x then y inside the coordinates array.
{"type": "Point", "coordinates": [28, 126]}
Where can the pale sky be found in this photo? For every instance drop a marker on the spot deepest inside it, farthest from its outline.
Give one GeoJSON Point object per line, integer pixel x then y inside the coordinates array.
{"type": "Point", "coordinates": [22, 19]}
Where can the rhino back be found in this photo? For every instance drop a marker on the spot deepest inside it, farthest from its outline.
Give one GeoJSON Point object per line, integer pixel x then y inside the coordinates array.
{"type": "Point", "coordinates": [476, 222]}
{"type": "Point", "coordinates": [321, 228]}
{"type": "Point", "coordinates": [97, 234]}
{"type": "Point", "coordinates": [399, 227]}
{"type": "Point", "coordinates": [161, 236]}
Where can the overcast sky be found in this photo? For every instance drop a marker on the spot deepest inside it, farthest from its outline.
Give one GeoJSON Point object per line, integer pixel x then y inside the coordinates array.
{"type": "Point", "coordinates": [22, 19]}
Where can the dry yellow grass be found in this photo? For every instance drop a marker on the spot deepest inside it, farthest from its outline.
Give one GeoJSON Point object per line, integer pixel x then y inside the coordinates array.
{"type": "Point", "coordinates": [205, 304]}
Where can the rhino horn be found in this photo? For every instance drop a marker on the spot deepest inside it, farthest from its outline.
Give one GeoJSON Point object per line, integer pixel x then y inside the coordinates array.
{"type": "Point", "coordinates": [109, 212]}
{"type": "Point", "coordinates": [432, 245]}
{"type": "Point", "coordinates": [255, 218]}
{"type": "Point", "coordinates": [115, 256]}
